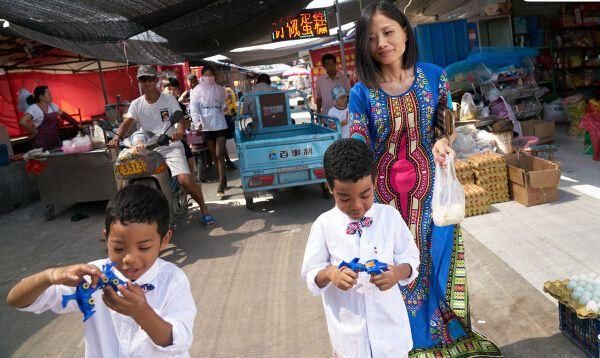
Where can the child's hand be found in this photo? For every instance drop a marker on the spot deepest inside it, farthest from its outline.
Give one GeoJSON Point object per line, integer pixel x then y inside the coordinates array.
{"type": "Point", "coordinates": [344, 278]}
{"type": "Point", "coordinates": [72, 275]}
{"type": "Point", "coordinates": [390, 278]}
{"type": "Point", "coordinates": [132, 304]}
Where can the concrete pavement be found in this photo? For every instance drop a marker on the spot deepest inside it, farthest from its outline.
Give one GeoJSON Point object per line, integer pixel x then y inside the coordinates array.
{"type": "Point", "coordinates": [245, 279]}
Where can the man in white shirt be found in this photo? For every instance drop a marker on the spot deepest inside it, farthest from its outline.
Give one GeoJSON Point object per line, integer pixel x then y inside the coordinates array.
{"type": "Point", "coordinates": [327, 82]}
{"type": "Point", "coordinates": [153, 314]}
{"type": "Point", "coordinates": [366, 315]}
{"type": "Point", "coordinates": [152, 111]}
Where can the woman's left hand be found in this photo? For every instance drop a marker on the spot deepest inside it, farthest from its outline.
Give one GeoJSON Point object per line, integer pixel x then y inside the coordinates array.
{"type": "Point", "coordinates": [441, 149]}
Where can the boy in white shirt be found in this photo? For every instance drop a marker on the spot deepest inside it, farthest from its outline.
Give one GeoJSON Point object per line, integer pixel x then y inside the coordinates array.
{"type": "Point", "coordinates": [155, 323]}
{"type": "Point", "coordinates": [366, 315]}
{"type": "Point", "coordinates": [340, 109]}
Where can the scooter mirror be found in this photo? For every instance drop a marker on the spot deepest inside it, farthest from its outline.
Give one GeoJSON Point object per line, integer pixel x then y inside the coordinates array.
{"type": "Point", "coordinates": [176, 117]}
{"type": "Point", "coordinates": [163, 140]}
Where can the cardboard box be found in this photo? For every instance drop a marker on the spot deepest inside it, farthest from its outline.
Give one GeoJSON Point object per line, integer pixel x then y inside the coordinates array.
{"type": "Point", "coordinates": [544, 130]}
{"type": "Point", "coordinates": [532, 180]}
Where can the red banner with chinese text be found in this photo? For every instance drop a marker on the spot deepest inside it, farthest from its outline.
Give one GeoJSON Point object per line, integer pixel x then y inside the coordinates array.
{"type": "Point", "coordinates": [318, 69]}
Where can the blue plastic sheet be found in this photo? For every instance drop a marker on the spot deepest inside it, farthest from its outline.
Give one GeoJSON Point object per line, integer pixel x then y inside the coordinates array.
{"type": "Point", "coordinates": [496, 58]}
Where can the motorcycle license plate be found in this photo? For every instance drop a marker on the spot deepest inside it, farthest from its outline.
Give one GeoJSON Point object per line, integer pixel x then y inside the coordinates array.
{"type": "Point", "coordinates": [131, 167]}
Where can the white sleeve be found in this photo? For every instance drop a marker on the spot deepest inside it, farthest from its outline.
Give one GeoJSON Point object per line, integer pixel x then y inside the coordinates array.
{"type": "Point", "coordinates": [133, 110]}
{"type": "Point", "coordinates": [405, 249]}
{"type": "Point", "coordinates": [51, 299]}
{"type": "Point", "coordinates": [195, 106]}
{"type": "Point", "coordinates": [316, 258]}
{"type": "Point", "coordinates": [180, 312]}
{"type": "Point", "coordinates": [36, 114]}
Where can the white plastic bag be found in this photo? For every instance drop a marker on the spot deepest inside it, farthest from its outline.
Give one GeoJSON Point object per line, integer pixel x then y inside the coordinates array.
{"type": "Point", "coordinates": [448, 203]}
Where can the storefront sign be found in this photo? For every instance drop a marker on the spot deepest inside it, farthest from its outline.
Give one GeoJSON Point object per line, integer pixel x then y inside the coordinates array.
{"type": "Point", "coordinates": [307, 24]}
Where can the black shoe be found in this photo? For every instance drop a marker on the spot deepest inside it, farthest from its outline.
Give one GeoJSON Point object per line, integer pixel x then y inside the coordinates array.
{"type": "Point", "coordinates": [231, 165]}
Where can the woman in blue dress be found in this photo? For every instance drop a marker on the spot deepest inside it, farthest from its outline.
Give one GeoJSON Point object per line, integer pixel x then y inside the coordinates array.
{"type": "Point", "coordinates": [400, 107]}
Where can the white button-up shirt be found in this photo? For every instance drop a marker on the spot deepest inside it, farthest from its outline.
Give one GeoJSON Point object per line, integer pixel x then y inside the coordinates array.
{"type": "Point", "coordinates": [363, 321]}
{"type": "Point", "coordinates": [111, 334]}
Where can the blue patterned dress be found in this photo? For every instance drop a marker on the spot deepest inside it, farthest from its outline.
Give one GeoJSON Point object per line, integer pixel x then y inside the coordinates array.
{"type": "Point", "coordinates": [401, 131]}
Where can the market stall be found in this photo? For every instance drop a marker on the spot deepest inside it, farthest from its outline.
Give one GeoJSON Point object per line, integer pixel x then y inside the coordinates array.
{"type": "Point", "coordinates": [77, 177]}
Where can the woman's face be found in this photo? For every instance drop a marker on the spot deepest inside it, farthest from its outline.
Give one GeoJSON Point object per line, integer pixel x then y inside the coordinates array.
{"type": "Point", "coordinates": [387, 39]}
{"type": "Point", "coordinates": [209, 73]}
{"type": "Point", "coordinates": [47, 97]}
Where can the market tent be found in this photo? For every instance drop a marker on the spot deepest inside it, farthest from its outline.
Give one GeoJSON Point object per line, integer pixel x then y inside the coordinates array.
{"type": "Point", "coordinates": [74, 80]}
{"type": "Point", "coordinates": [152, 31]}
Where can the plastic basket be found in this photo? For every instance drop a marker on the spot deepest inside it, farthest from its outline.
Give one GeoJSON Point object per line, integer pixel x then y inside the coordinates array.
{"type": "Point", "coordinates": [583, 332]}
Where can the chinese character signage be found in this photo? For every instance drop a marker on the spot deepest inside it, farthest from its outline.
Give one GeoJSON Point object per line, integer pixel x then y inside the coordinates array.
{"type": "Point", "coordinates": [309, 23]}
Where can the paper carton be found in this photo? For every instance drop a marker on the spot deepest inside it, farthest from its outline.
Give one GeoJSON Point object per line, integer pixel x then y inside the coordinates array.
{"type": "Point", "coordinates": [544, 130]}
{"type": "Point", "coordinates": [532, 180]}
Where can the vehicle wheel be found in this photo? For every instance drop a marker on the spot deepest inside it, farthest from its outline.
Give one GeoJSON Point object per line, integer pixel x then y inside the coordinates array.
{"type": "Point", "coordinates": [249, 197]}
{"type": "Point", "coordinates": [325, 191]}
{"type": "Point", "coordinates": [49, 213]}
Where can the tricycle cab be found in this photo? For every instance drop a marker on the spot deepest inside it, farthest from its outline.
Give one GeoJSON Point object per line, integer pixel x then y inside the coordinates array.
{"type": "Point", "coordinates": [275, 152]}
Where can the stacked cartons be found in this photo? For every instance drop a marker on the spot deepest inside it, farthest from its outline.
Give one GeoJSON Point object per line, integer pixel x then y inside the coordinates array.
{"type": "Point", "coordinates": [477, 200]}
{"type": "Point", "coordinates": [490, 174]}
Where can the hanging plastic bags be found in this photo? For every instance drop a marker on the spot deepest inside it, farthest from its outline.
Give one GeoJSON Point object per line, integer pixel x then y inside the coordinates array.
{"type": "Point", "coordinates": [448, 203]}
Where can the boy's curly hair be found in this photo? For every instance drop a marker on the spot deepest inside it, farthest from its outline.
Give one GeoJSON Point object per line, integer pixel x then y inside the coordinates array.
{"type": "Point", "coordinates": [138, 204]}
{"type": "Point", "coordinates": [348, 160]}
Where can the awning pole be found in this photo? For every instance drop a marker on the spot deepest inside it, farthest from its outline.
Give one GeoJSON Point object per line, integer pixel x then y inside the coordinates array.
{"type": "Point", "coordinates": [102, 82]}
{"type": "Point", "coordinates": [340, 36]}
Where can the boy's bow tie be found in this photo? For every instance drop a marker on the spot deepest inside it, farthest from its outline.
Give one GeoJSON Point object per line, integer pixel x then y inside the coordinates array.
{"type": "Point", "coordinates": [356, 226]}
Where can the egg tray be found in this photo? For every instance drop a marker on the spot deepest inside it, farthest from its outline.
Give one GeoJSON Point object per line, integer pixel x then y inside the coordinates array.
{"type": "Point", "coordinates": [558, 289]}
{"type": "Point", "coordinates": [486, 160]}
{"type": "Point", "coordinates": [466, 179]}
{"type": "Point", "coordinates": [477, 200]}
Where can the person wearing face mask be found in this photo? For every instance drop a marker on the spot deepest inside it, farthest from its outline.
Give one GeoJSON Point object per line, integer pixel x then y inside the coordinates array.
{"type": "Point", "coordinates": [207, 105]}
{"type": "Point", "coordinates": [401, 108]}
{"type": "Point", "coordinates": [42, 119]}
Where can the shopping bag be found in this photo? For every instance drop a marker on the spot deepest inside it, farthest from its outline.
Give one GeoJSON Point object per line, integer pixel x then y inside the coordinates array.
{"type": "Point", "coordinates": [448, 203]}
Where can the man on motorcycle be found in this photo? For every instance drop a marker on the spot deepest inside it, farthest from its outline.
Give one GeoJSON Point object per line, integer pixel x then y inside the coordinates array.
{"type": "Point", "coordinates": [150, 111]}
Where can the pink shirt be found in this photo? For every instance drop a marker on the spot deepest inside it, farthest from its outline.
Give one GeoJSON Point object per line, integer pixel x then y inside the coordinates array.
{"type": "Point", "coordinates": [324, 88]}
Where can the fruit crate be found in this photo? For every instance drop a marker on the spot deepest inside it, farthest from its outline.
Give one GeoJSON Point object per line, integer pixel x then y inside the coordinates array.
{"type": "Point", "coordinates": [583, 332]}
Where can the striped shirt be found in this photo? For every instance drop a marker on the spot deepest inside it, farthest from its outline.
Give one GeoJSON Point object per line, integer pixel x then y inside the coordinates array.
{"type": "Point", "coordinates": [324, 87]}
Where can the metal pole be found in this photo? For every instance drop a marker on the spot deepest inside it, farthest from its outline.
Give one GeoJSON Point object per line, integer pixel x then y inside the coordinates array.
{"type": "Point", "coordinates": [360, 5]}
{"type": "Point", "coordinates": [102, 82]}
{"type": "Point", "coordinates": [340, 36]}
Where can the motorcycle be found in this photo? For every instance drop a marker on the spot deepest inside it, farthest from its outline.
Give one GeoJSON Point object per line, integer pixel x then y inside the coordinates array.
{"type": "Point", "coordinates": [139, 164]}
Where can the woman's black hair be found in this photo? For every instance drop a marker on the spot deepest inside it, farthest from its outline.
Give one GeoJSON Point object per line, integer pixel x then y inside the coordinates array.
{"type": "Point", "coordinates": [348, 160]}
{"type": "Point", "coordinates": [38, 92]}
{"type": "Point", "coordinates": [369, 70]}
{"type": "Point", "coordinates": [138, 204]}
{"type": "Point", "coordinates": [208, 68]}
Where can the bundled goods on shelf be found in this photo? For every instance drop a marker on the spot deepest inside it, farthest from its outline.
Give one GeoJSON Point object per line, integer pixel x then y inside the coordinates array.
{"type": "Point", "coordinates": [477, 200]}
{"type": "Point", "coordinates": [490, 174]}
{"type": "Point", "coordinates": [464, 172]}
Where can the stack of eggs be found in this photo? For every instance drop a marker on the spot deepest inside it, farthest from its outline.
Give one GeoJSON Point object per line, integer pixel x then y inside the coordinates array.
{"type": "Point", "coordinates": [464, 172]}
{"type": "Point", "coordinates": [477, 201]}
{"type": "Point", "coordinates": [490, 173]}
{"type": "Point", "coordinates": [585, 289]}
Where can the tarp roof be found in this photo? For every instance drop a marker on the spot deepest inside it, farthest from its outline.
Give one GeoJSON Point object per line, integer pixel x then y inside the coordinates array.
{"type": "Point", "coordinates": [19, 54]}
{"type": "Point", "coordinates": [170, 31]}
{"type": "Point", "coordinates": [145, 31]}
